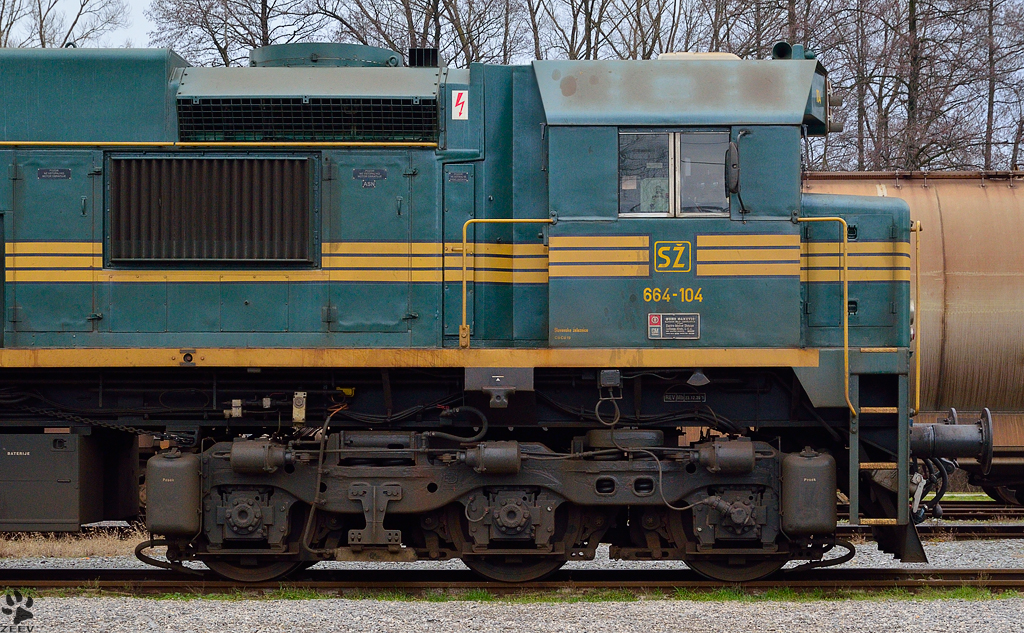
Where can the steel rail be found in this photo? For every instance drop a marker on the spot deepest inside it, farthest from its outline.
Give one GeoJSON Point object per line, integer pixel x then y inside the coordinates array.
{"type": "Point", "coordinates": [428, 581]}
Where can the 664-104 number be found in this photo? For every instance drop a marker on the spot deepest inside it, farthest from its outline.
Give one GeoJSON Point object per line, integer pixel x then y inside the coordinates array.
{"type": "Point", "coordinates": [686, 295]}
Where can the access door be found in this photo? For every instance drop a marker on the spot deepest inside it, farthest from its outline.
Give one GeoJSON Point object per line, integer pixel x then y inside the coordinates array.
{"type": "Point", "coordinates": [368, 253]}
{"type": "Point", "coordinates": [56, 251]}
{"type": "Point", "coordinates": [459, 206]}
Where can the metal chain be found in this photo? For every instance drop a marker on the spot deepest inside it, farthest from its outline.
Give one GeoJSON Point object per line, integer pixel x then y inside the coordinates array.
{"type": "Point", "coordinates": [71, 417]}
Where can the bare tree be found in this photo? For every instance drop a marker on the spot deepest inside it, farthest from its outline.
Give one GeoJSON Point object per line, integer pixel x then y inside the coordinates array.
{"type": "Point", "coordinates": [12, 12]}
{"type": "Point", "coordinates": [53, 23]}
{"type": "Point", "coordinates": [394, 24]}
{"type": "Point", "coordinates": [222, 32]}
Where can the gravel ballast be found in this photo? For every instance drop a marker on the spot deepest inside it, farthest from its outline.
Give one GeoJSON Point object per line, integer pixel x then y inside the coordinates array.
{"type": "Point", "coordinates": [645, 616]}
{"type": "Point", "coordinates": [116, 614]}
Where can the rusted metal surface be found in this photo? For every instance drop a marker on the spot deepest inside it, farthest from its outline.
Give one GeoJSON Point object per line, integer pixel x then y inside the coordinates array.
{"type": "Point", "coordinates": [237, 209]}
{"type": "Point", "coordinates": [972, 284]}
{"type": "Point", "coordinates": [420, 582]}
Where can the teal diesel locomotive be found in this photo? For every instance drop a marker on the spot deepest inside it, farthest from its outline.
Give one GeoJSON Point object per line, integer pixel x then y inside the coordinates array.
{"type": "Point", "coordinates": [336, 307]}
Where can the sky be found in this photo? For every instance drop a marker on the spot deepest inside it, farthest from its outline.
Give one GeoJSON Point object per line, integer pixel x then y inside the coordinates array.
{"type": "Point", "coordinates": [139, 29]}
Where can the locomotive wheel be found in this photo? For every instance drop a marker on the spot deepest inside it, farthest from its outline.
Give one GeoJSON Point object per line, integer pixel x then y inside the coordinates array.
{"type": "Point", "coordinates": [509, 567]}
{"type": "Point", "coordinates": [722, 570]}
{"type": "Point", "coordinates": [753, 567]}
{"type": "Point", "coordinates": [234, 570]}
{"type": "Point", "coordinates": [523, 569]}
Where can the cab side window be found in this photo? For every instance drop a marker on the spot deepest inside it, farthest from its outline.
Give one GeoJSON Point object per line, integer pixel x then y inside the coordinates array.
{"type": "Point", "coordinates": [672, 173]}
{"type": "Point", "coordinates": [644, 175]}
{"type": "Point", "coordinates": [702, 172]}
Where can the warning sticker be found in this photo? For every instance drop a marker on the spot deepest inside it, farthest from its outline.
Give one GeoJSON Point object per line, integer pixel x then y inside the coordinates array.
{"type": "Point", "coordinates": [673, 326]}
{"type": "Point", "coordinates": [460, 105]}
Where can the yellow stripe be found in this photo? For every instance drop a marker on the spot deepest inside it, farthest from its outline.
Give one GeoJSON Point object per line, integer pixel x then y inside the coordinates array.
{"type": "Point", "coordinates": [600, 241]}
{"type": "Point", "coordinates": [54, 276]}
{"type": "Point", "coordinates": [818, 276]}
{"type": "Point", "coordinates": [748, 270]}
{"type": "Point", "coordinates": [854, 248]}
{"type": "Point", "coordinates": [382, 261]}
{"type": "Point", "coordinates": [600, 270]}
{"type": "Point", "coordinates": [54, 248]}
{"type": "Point", "coordinates": [360, 275]}
{"type": "Point", "coordinates": [604, 256]}
{"type": "Point", "coordinates": [748, 240]}
{"type": "Point", "coordinates": [497, 249]}
{"type": "Point", "coordinates": [429, 248]}
{"type": "Point", "coordinates": [473, 357]}
{"type": "Point", "coordinates": [388, 276]}
{"type": "Point", "coordinates": [217, 144]}
{"type": "Point", "coordinates": [497, 276]}
{"type": "Point", "coordinates": [504, 263]}
{"type": "Point", "coordinates": [381, 248]}
{"type": "Point", "coordinates": [855, 261]}
{"type": "Point", "coordinates": [51, 261]}
{"type": "Point", "coordinates": [747, 255]}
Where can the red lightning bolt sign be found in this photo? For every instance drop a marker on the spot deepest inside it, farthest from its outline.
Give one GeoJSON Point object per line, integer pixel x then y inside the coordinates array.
{"type": "Point", "coordinates": [460, 99]}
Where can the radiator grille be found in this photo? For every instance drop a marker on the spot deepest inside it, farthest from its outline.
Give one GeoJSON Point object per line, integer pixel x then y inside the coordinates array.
{"type": "Point", "coordinates": [210, 209]}
{"type": "Point", "coordinates": [312, 120]}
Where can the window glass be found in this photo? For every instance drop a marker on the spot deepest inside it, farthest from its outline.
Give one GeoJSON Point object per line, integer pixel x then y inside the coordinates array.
{"type": "Point", "coordinates": [644, 175]}
{"type": "Point", "coordinates": [702, 172]}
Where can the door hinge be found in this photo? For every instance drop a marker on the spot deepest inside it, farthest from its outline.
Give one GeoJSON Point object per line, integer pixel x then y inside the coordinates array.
{"type": "Point", "coordinates": [329, 314]}
{"type": "Point", "coordinates": [14, 172]}
{"type": "Point", "coordinates": [14, 314]}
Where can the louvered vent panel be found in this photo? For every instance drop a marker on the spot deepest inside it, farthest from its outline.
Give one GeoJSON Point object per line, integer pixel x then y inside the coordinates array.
{"type": "Point", "coordinates": [210, 209]}
{"type": "Point", "coordinates": [307, 120]}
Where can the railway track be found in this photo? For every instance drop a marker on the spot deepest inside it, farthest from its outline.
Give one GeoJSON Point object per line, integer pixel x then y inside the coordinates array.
{"type": "Point", "coordinates": [414, 582]}
{"type": "Point", "coordinates": [946, 531]}
{"type": "Point", "coordinates": [968, 511]}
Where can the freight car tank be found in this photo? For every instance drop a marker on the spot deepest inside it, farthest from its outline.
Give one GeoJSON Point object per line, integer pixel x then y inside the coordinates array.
{"type": "Point", "coordinates": [368, 311]}
{"type": "Point", "coordinates": [972, 300]}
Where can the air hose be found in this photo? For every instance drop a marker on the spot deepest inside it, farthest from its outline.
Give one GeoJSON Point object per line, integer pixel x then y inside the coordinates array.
{"type": "Point", "coordinates": [455, 438]}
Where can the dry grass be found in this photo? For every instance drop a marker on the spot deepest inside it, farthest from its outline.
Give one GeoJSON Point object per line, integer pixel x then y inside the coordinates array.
{"type": "Point", "coordinates": [62, 545]}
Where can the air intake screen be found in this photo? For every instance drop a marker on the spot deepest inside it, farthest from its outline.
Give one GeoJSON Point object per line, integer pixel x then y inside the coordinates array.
{"type": "Point", "coordinates": [312, 120]}
{"type": "Point", "coordinates": [210, 209]}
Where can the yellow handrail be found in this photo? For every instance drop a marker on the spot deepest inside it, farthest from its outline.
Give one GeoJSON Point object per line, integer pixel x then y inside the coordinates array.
{"type": "Point", "coordinates": [464, 328]}
{"type": "Point", "coordinates": [845, 308]}
{"type": "Point", "coordinates": [916, 228]}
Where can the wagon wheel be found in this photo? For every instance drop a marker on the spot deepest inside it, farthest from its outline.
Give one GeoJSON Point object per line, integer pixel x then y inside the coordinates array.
{"type": "Point", "coordinates": [752, 568]}
{"type": "Point", "coordinates": [724, 568]}
{"type": "Point", "coordinates": [233, 569]}
{"type": "Point", "coordinates": [1005, 495]}
{"type": "Point", "coordinates": [511, 567]}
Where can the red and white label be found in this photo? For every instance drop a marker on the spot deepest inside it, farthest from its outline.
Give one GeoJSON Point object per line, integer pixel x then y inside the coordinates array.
{"type": "Point", "coordinates": [653, 319]}
{"type": "Point", "coordinates": [460, 105]}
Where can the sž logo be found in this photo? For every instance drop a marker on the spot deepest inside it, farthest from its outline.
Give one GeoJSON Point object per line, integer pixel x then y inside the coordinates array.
{"type": "Point", "coordinates": [672, 257]}
{"type": "Point", "coordinates": [18, 606]}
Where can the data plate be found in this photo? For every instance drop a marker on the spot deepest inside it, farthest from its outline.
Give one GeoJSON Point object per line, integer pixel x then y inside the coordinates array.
{"type": "Point", "coordinates": [662, 326]}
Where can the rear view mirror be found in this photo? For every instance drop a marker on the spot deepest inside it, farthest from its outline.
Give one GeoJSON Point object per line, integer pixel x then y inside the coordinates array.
{"type": "Point", "coordinates": [732, 168]}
